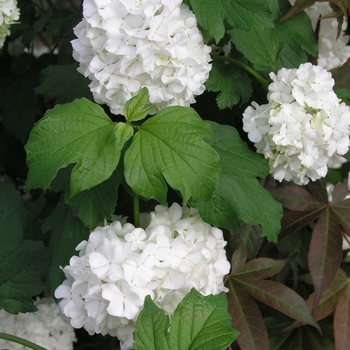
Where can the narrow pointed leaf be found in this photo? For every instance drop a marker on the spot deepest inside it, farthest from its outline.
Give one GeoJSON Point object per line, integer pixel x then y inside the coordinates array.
{"type": "Point", "coordinates": [278, 296]}
{"type": "Point", "coordinates": [342, 322]}
{"type": "Point", "coordinates": [151, 328]}
{"type": "Point", "coordinates": [300, 5]}
{"type": "Point", "coordinates": [342, 212]}
{"type": "Point", "coordinates": [325, 253]}
{"type": "Point", "coordinates": [238, 259]}
{"type": "Point", "coordinates": [339, 192]}
{"type": "Point", "coordinates": [78, 132]}
{"type": "Point", "coordinates": [247, 319]}
{"type": "Point", "coordinates": [170, 146]}
{"type": "Point", "coordinates": [263, 267]}
{"type": "Point", "coordinates": [330, 296]}
{"type": "Point", "coordinates": [296, 198]}
{"type": "Point", "coordinates": [135, 109]}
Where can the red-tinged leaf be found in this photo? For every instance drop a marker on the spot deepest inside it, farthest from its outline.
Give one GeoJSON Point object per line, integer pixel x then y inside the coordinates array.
{"type": "Point", "coordinates": [263, 267]}
{"type": "Point", "coordinates": [296, 198]}
{"type": "Point", "coordinates": [330, 296]}
{"type": "Point", "coordinates": [339, 192]}
{"type": "Point", "coordinates": [300, 5]}
{"type": "Point", "coordinates": [342, 322]}
{"type": "Point", "coordinates": [318, 189]}
{"type": "Point", "coordinates": [325, 253]}
{"type": "Point", "coordinates": [246, 319]}
{"type": "Point", "coordinates": [291, 222]}
{"type": "Point", "coordinates": [238, 259]}
{"type": "Point", "coordinates": [278, 296]}
{"type": "Point", "coordinates": [343, 215]}
{"type": "Point", "coordinates": [343, 5]}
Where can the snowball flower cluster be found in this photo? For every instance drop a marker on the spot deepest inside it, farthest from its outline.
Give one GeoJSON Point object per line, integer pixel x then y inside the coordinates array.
{"type": "Point", "coordinates": [332, 52]}
{"type": "Point", "coordinates": [304, 129]}
{"type": "Point", "coordinates": [9, 13]}
{"type": "Point", "coordinates": [125, 45]}
{"type": "Point", "coordinates": [46, 327]}
{"type": "Point", "coordinates": [120, 265]}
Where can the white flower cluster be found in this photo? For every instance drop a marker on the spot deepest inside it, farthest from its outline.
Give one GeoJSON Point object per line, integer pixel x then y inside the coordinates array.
{"type": "Point", "coordinates": [332, 52]}
{"type": "Point", "coordinates": [46, 327]}
{"type": "Point", "coordinates": [120, 265]}
{"type": "Point", "coordinates": [125, 45]}
{"type": "Point", "coordinates": [304, 129]}
{"type": "Point", "coordinates": [9, 13]}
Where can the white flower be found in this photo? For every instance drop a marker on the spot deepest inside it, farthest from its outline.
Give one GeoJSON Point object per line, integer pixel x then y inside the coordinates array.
{"type": "Point", "coordinates": [120, 265]}
{"type": "Point", "coordinates": [123, 46]}
{"type": "Point", "coordinates": [47, 327]}
{"type": "Point", "coordinates": [304, 129]}
{"type": "Point", "coordinates": [9, 13]}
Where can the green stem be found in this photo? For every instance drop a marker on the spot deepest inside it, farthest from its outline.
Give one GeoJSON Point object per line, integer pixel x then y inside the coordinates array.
{"type": "Point", "coordinates": [136, 211]}
{"type": "Point", "coordinates": [248, 69]}
{"type": "Point", "coordinates": [21, 341]}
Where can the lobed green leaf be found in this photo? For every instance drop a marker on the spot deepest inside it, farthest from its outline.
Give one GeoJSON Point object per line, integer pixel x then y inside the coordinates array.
{"type": "Point", "coordinates": [239, 195]}
{"type": "Point", "coordinates": [170, 146]}
{"type": "Point", "coordinates": [79, 132]}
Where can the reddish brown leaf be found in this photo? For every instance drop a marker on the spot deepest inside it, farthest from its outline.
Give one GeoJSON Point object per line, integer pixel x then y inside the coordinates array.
{"type": "Point", "coordinates": [330, 296]}
{"type": "Point", "coordinates": [291, 222]}
{"type": "Point", "coordinates": [238, 259]}
{"type": "Point", "coordinates": [296, 198]}
{"type": "Point", "coordinates": [262, 267]}
{"type": "Point", "coordinates": [247, 319]}
{"type": "Point", "coordinates": [300, 5]}
{"type": "Point", "coordinates": [343, 215]}
{"type": "Point", "coordinates": [343, 5]}
{"type": "Point", "coordinates": [278, 296]}
{"type": "Point", "coordinates": [325, 253]}
{"type": "Point", "coordinates": [318, 189]}
{"type": "Point", "coordinates": [339, 192]}
{"type": "Point", "coordinates": [342, 322]}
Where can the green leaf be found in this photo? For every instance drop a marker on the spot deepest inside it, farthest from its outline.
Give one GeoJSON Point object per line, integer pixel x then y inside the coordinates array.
{"type": "Point", "coordinates": [67, 231]}
{"type": "Point", "coordinates": [297, 37]}
{"type": "Point", "coordinates": [232, 83]}
{"type": "Point", "coordinates": [78, 132]}
{"type": "Point", "coordinates": [94, 205]}
{"type": "Point", "coordinates": [170, 146]}
{"type": "Point", "coordinates": [13, 214]}
{"type": "Point", "coordinates": [134, 109]}
{"type": "Point", "coordinates": [22, 269]}
{"type": "Point", "coordinates": [63, 82]}
{"type": "Point", "coordinates": [259, 45]}
{"type": "Point", "coordinates": [151, 328]}
{"type": "Point", "coordinates": [199, 322]}
{"type": "Point", "coordinates": [239, 195]}
{"type": "Point", "coordinates": [243, 14]}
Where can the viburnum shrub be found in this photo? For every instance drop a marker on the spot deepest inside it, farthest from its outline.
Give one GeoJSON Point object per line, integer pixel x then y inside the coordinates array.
{"type": "Point", "coordinates": [174, 174]}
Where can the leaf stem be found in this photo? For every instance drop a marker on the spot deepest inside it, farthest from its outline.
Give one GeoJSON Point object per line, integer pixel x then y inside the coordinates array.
{"type": "Point", "coordinates": [248, 69]}
{"type": "Point", "coordinates": [136, 205]}
{"type": "Point", "coordinates": [21, 341]}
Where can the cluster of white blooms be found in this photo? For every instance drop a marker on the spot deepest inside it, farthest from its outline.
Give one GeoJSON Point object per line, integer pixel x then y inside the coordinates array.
{"type": "Point", "coordinates": [125, 45]}
{"type": "Point", "coordinates": [304, 129]}
{"type": "Point", "coordinates": [9, 13]}
{"type": "Point", "coordinates": [120, 265]}
{"type": "Point", "coordinates": [332, 52]}
{"type": "Point", "coordinates": [46, 327]}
